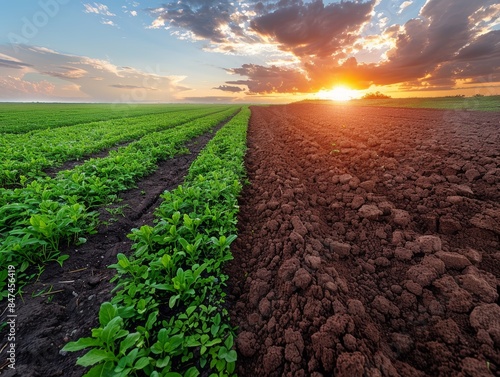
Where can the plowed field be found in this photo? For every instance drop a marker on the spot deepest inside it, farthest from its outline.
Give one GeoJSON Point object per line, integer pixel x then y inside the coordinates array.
{"type": "Point", "coordinates": [369, 243]}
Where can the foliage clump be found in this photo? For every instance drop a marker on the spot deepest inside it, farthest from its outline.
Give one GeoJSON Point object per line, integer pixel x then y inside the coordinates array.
{"type": "Point", "coordinates": [376, 95]}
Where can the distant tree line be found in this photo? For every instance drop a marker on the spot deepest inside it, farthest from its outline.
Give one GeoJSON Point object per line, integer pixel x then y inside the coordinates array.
{"type": "Point", "coordinates": [376, 95]}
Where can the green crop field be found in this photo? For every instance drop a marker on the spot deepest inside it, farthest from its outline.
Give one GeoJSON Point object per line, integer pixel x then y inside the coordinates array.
{"type": "Point", "coordinates": [22, 117]}
{"type": "Point", "coordinates": [37, 212]}
{"type": "Point", "coordinates": [27, 154]}
{"type": "Point", "coordinates": [180, 258]}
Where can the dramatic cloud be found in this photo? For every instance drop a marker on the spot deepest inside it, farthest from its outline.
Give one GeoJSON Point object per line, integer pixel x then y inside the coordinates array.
{"type": "Point", "coordinates": [314, 29]}
{"type": "Point", "coordinates": [450, 41]}
{"type": "Point", "coordinates": [31, 73]}
{"type": "Point", "coordinates": [442, 43]}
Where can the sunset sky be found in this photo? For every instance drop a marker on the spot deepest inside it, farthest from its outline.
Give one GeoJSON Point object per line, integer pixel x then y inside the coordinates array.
{"type": "Point", "coordinates": [245, 50]}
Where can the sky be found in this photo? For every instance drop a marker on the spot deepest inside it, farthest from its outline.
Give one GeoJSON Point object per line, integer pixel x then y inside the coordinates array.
{"type": "Point", "coordinates": [246, 50]}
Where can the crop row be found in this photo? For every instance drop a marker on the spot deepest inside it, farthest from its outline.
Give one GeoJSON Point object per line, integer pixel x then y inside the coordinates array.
{"type": "Point", "coordinates": [24, 117]}
{"type": "Point", "coordinates": [28, 154]}
{"type": "Point", "coordinates": [167, 317]}
{"type": "Point", "coordinates": [34, 220]}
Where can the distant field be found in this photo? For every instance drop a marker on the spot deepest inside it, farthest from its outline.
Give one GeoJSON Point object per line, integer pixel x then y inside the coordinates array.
{"type": "Point", "coordinates": [24, 117]}
{"type": "Point", "coordinates": [490, 103]}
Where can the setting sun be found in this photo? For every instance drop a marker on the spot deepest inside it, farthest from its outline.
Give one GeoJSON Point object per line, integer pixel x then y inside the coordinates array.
{"type": "Point", "coordinates": [339, 93]}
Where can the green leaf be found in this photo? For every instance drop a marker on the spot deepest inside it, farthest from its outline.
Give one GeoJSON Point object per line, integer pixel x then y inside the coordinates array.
{"type": "Point", "coordinates": [163, 287]}
{"type": "Point", "coordinates": [127, 312]}
{"type": "Point", "coordinates": [109, 332]}
{"type": "Point", "coordinates": [163, 336]}
{"type": "Point", "coordinates": [94, 356]}
{"type": "Point", "coordinates": [142, 363]}
{"type": "Point", "coordinates": [172, 301]}
{"type": "Point", "coordinates": [192, 372]}
{"type": "Point", "coordinates": [229, 342]}
{"type": "Point", "coordinates": [192, 341]}
{"type": "Point", "coordinates": [214, 330]}
{"type": "Point", "coordinates": [128, 342]}
{"type": "Point", "coordinates": [102, 370]}
{"type": "Point", "coordinates": [184, 243]}
{"type": "Point", "coordinates": [81, 344]}
{"type": "Point", "coordinates": [165, 260]}
{"type": "Point", "coordinates": [230, 356]}
{"type": "Point", "coordinates": [24, 266]}
{"type": "Point", "coordinates": [140, 250]}
{"type": "Point", "coordinates": [62, 258]}
{"type": "Point", "coordinates": [107, 312]}
{"type": "Point", "coordinates": [157, 349]}
{"type": "Point", "coordinates": [230, 239]}
{"type": "Point", "coordinates": [122, 260]}
{"type": "Point", "coordinates": [174, 343]}
{"type": "Point", "coordinates": [213, 342]}
{"type": "Point", "coordinates": [151, 320]}
{"type": "Point", "coordinates": [230, 367]}
{"type": "Point", "coordinates": [190, 310]}
{"type": "Point", "coordinates": [220, 365]}
{"type": "Point", "coordinates": [162, 363]}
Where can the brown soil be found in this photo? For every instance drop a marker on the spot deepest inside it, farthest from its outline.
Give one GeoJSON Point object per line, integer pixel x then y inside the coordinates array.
{"type": "Point", "coordinates": [369, 243]}
{"type": "Point", "coordinates": [73, 294]}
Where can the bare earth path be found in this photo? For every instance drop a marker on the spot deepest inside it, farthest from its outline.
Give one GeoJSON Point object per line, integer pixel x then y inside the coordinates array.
{"type": "Point", "coordinates": [369, 243]}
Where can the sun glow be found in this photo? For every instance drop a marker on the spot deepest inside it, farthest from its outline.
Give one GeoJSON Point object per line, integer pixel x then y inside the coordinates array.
{"type": "Point", "coordinates": [339, 93]}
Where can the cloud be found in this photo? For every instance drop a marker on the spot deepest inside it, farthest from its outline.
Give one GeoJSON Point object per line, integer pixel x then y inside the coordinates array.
{"type": "Point", "coordinates": [228, 88]}
{"type": "Point", "coordinates": [13, 64]}
{"type": "Point", "coordinates": [98, 8]}
{"type": "Point", "coordinates": [67, 73]}
{"type": "Point", "coordinates": [109, 23]}
{"type": "Point", "coordinates": [441, 42]}
{"type": "Point", "coordinates": [16, 88]}
{"type": "Point", "coordinates": [404, 5]}
{"type": "Point", "coordinates": [120, 86]}
{"type": "Point", "coordinates": [310, 28]}
{"type": "Point", "coordinates": [205, 19]}
{"type": "Point", "coordinates": [270, 79]}
{"type": "Point", "coordinates": [314, 29]}
{"type": "Point", "coordinates": [82, 78]}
